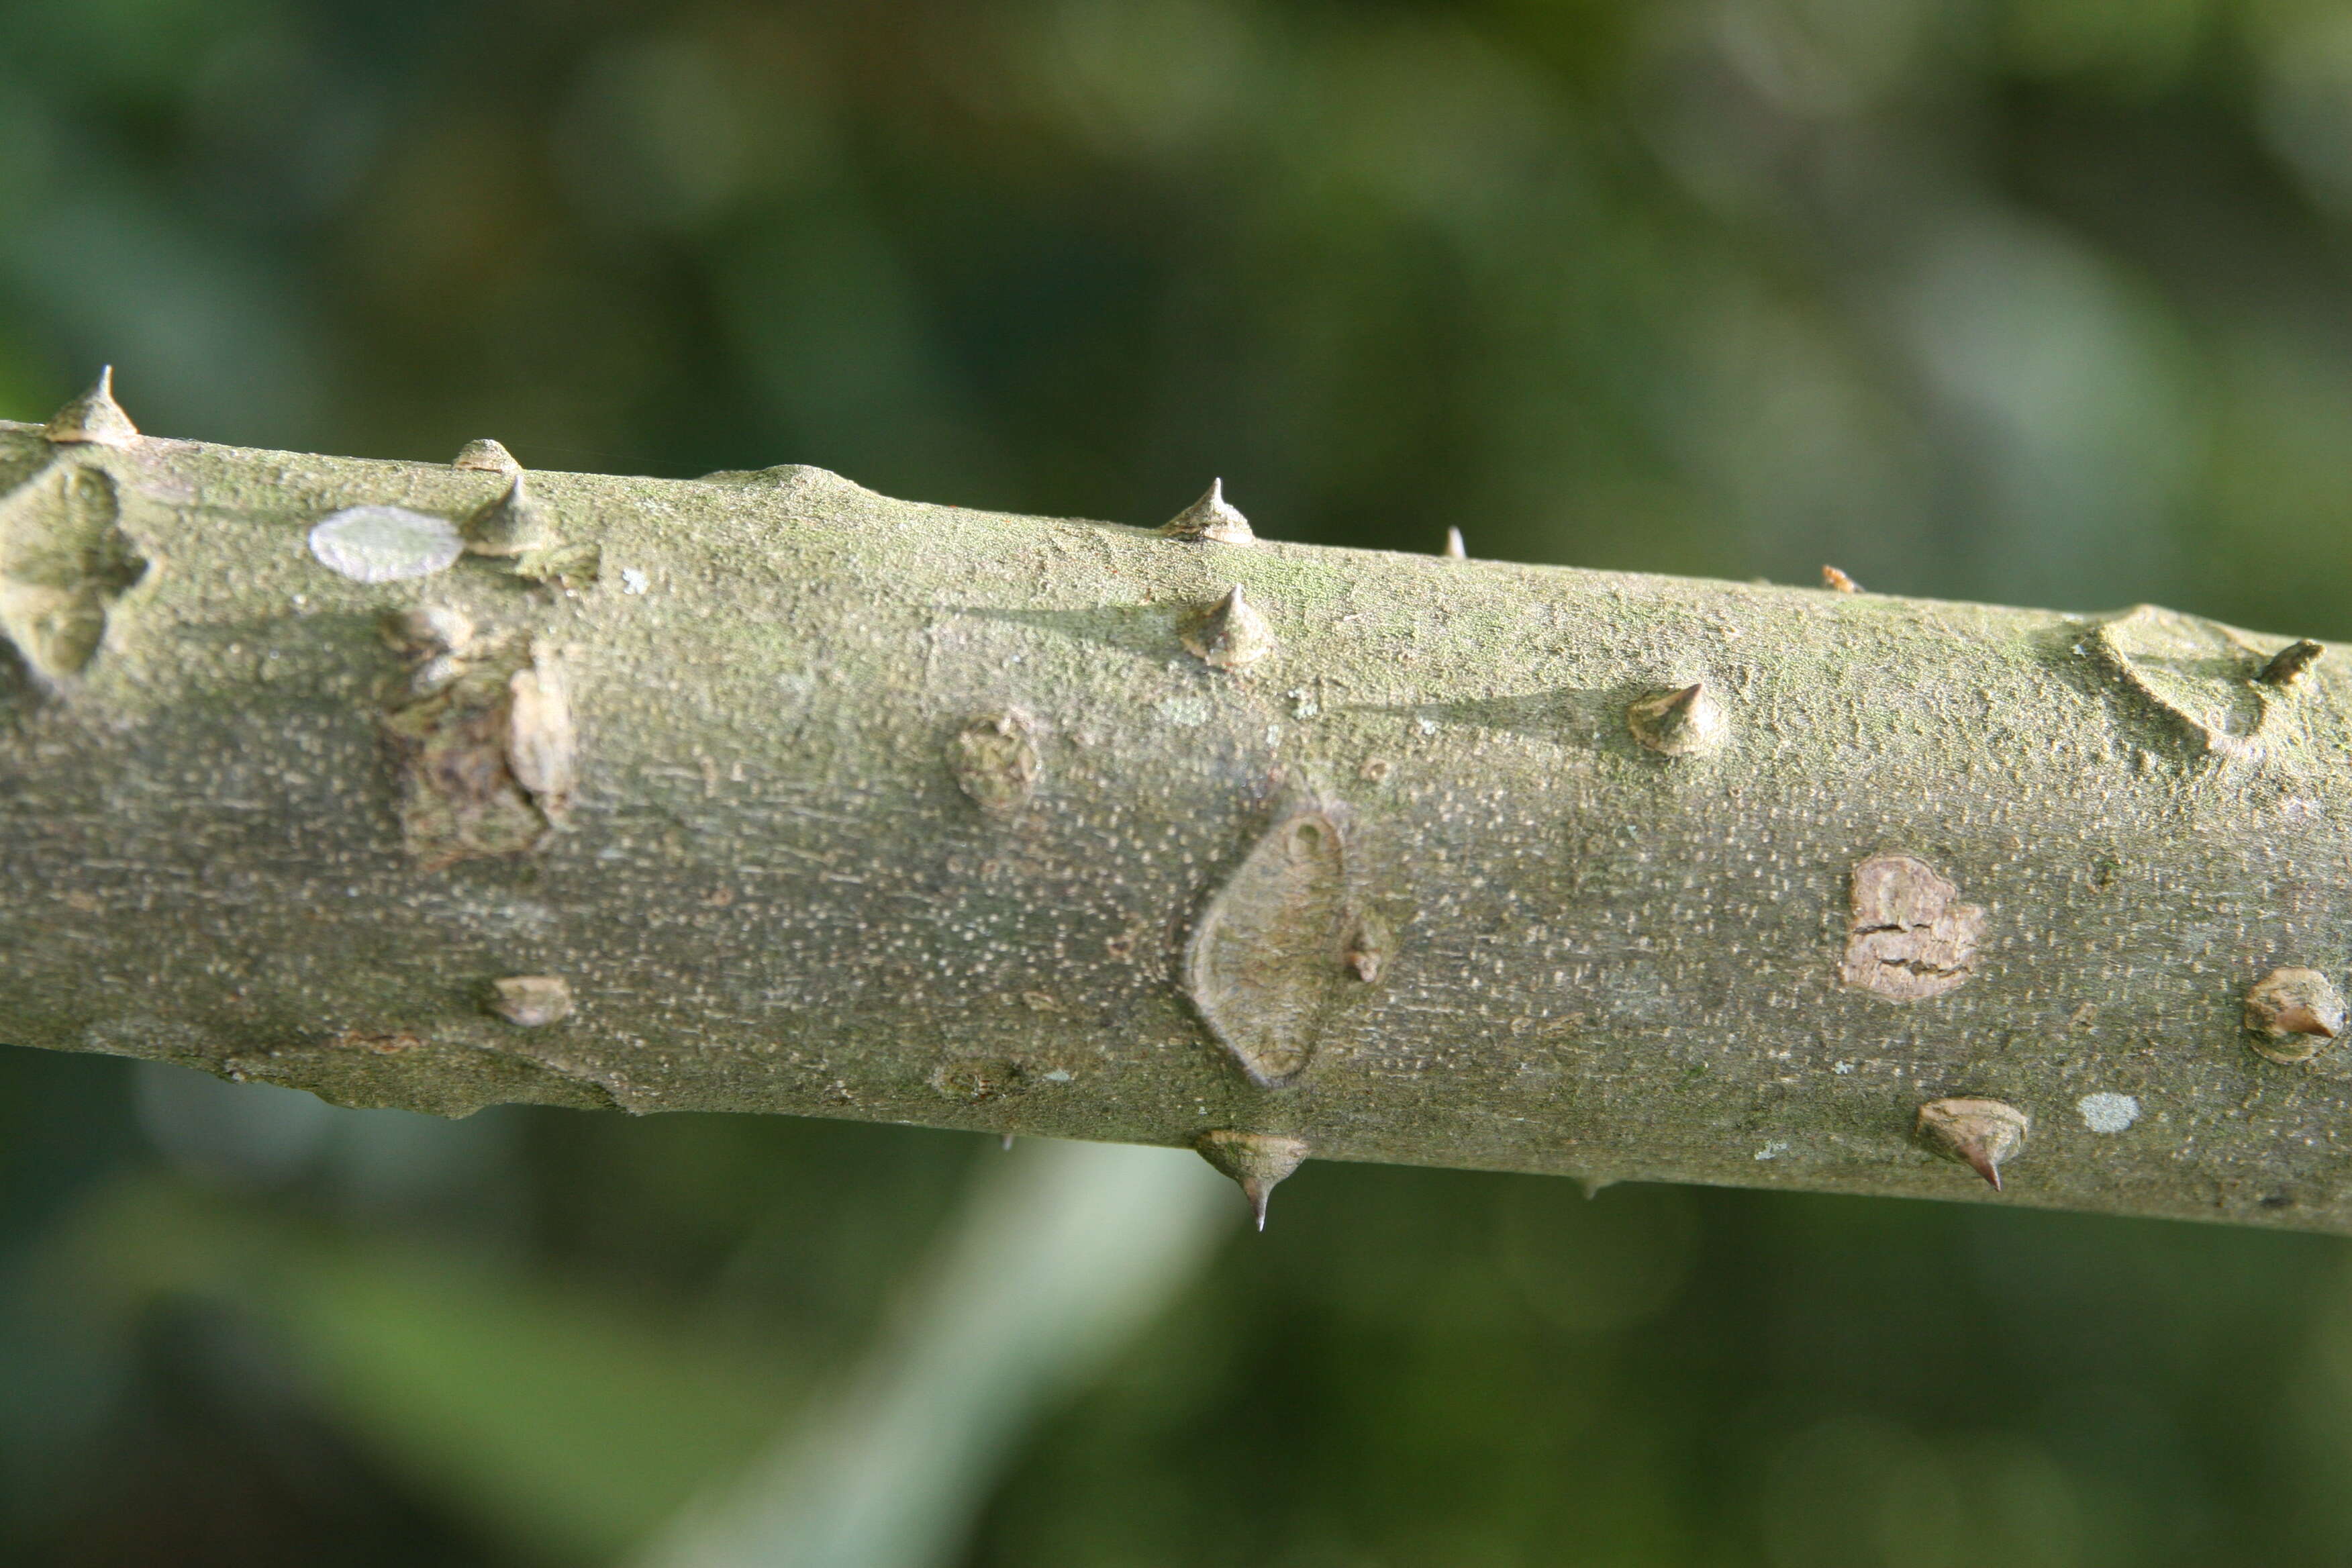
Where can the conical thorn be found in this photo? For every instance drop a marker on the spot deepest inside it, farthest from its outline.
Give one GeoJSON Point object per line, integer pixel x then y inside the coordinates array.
{"type": "Point", "coordinates": [1230, 633]}
{"type": "Point", "coordinates": [489, 456]}
{"type": "Point", "coordinates": [1257, 1162]}
{"type": "Point", "coordinates": [1454, 549]}
{"type": "Point", "coordinates": [2292, 1012]}
{"type": "Point", "coordinates": [1678, 722]}
{"type": "Point", "coordinates": [93, 419]}
{"type": "Point", "coordinates": [1211, 518]}
{"type": "Point", "coordinates": [1983, 1134]}
{"type": "Point", "coordinates": [514, 524]}
{"type": "Point", "coordinates": [2304, 1021]}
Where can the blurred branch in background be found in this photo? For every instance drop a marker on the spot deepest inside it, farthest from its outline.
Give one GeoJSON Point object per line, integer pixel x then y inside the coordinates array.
{"type": "Point", "coordinates": [1060, 1257]}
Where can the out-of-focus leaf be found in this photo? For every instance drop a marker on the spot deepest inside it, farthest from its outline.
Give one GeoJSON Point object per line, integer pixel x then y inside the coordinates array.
{"type": "Point", "coordinates": [561, 1421]}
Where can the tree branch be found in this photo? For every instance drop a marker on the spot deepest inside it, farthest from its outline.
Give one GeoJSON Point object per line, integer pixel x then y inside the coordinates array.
{"type": "Point", "coordinates": [762, 791]}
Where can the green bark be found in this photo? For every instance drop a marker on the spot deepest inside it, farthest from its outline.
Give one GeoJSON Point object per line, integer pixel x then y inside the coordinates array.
{"type": "Point", "coordinates": [823, 803]}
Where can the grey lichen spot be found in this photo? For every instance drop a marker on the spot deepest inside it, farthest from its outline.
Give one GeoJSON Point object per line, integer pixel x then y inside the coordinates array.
{"type": "Point", "coordinates": [2198, 674]}
{"type": "Point", "coordinates": [1682, 722]}
{"type": "Point", "coordinates": [2293, 1014]}
{"type": "Point", "coordinates": [532, 1001]}
{"type": "Point", "coordinates": [1911, 938]}
{"type": "Point", "coordinates": [974, 1080]}
{"type": "Point", "coordinates": [63, 562]}
{"type": "Point", "coordinates": [487, 456]}
{"type": "Point", "coordinates": [516, 523]}
{"type": "Point", "coordinates": [1230, 633]}
{"type": "Point", "coordinates": [93, 419]}
{"type": "Point", "coordinates": [995, 761]}
{"type": "Point", "coordinates": [1257, 1162]}
{"type": "Point", "coordinates": [1983, 1134]}
{"type": "Point", "coordinates": [385, 543]}
{"type": "Point", "coordinates": [2107, 1112]}
{"type": "Point", "coordinates": [1267, 957]}
{"type": "Point", "coordinates": [1212, 519]}
{"type": "Point", "coordinates": [2291, 663]}
{"type": "Point", "coordinates": [487, 759]}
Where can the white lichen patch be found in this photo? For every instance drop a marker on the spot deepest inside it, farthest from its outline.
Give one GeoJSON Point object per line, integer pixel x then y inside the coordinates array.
{"type": "Point", "coordinates": [2106, 1112]}
{"type": "Point", "coordinates": [1774, 1150]}
{"type": "Point", "coordinates": [634, 581]}
{"type": "Point", "coordinates": [385, 543]}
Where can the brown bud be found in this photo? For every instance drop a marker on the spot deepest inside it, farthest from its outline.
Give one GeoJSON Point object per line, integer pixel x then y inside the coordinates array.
{"type": "Point", "coordinates": [1368, 946]}
{"type": "Point", "coordinates": [2288, 666]}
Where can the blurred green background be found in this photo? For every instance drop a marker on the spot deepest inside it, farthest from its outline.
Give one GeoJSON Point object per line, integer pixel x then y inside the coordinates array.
{"type": "Point", "coordinates": [2046, 301]}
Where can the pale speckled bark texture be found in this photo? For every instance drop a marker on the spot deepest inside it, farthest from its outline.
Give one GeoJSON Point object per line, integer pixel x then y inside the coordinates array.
{"type": "Point", "coordinates": [823, 803]}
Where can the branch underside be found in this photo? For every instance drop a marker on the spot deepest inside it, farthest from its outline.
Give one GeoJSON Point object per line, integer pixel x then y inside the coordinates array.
{"type": "Point", "coordinates": [762, 791]}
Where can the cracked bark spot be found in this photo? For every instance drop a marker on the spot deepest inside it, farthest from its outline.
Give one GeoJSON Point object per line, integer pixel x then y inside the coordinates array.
{"type": "Point", "coordinates": [63, 562]}
{"type": "Point", "coordinates": [974, 1080]}
{"type": "Point", "coordinates": [1268, 953]}
{"type": "Point", "coordinates": [995, 761]}
{"type": "Point", "coordinates": [487, 762]}
{"type": "Point", "coordinates": [1911, 939]}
